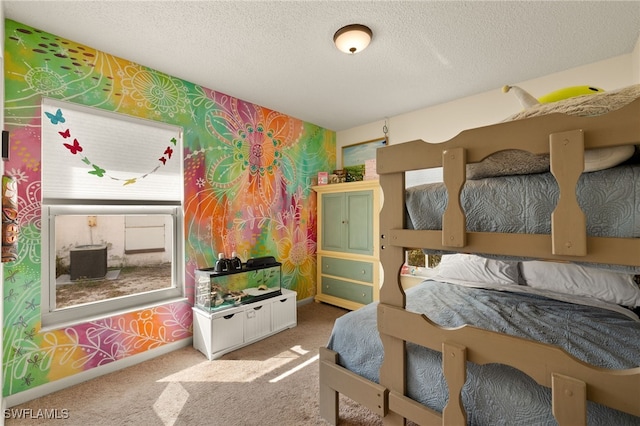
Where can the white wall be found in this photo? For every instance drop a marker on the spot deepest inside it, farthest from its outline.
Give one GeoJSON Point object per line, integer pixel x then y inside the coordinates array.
{"type": "Point", "coordinates": [636, 62]}
{"type": "Point", "coordinates": [444, 121]}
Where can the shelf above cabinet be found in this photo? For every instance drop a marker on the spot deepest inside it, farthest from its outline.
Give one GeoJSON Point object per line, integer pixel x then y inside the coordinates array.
{"type": "Point", "coordinates": [347, 186]}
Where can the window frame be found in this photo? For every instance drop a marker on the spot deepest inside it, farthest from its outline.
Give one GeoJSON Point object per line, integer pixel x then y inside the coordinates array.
{"type": "Point", "coordinates": [52, 317]}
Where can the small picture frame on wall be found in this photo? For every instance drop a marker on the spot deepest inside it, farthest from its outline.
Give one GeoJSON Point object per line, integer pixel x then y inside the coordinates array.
{"type": "Point", "coordinates": [356, 156]}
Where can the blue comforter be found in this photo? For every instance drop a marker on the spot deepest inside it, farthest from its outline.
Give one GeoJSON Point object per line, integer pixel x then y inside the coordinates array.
{"type": "Point", "coordinates": [495, 394]}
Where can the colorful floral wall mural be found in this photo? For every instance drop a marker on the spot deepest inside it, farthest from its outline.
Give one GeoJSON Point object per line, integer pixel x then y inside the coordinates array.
{"type": "Point", "coordinates": [247, 177]}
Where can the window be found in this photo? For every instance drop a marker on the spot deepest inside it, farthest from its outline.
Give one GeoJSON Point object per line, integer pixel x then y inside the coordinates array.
{"type": "Point", "coordinates": [89, 271]}
{"type": "Point", "coordinates": [419, 177]}
{"type": "Point", "coordinates": [111, 212]}
{"type": "Point", "coordinates": [416, 258]}
{"type": "Point", "coordinates": [417, 262]}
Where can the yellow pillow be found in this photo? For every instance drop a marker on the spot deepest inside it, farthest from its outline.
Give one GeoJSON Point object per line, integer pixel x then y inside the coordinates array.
{"type": "Point", "coordinates": [569, 92]}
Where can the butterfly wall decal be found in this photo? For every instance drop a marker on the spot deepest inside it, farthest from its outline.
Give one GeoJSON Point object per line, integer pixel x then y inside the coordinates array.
{"type": "Point", "coordinates": [56, 118]}
{"type": "Point", "coordinates": [28, 379]}
{"type": "Point", "coordinates": [75, 148]}
{"type": "Point", "coordinates": [98, 171]}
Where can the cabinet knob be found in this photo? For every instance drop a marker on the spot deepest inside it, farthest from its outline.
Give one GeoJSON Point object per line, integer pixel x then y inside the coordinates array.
{"type": "Point", "coordinates": [364, 272]}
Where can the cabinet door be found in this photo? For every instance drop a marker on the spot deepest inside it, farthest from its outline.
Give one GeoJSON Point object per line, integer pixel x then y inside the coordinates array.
{"type": "Point", "coordinates": [283, 311]}
{"type": "Point", "coordinates": [333, 222]}
{"type": "Point", "coordinates": [347, 222]}
{"type": "Point", "coordinates": [359, 217]}
{"type": "Point", "coordinates": [226, 331]}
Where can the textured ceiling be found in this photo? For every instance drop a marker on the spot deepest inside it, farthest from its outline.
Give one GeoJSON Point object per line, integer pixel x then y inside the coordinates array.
{"type": "Point", "coordinates": [280, 55]}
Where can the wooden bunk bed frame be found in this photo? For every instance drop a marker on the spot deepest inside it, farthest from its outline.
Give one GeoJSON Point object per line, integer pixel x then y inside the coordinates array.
{"type": "Point", "coordinates": [572, 381]}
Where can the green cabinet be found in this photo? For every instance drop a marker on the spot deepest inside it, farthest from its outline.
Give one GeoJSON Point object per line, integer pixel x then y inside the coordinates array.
{"type": "Point", "coordinates": [348, 222]}
{"type": "Point", "coordinates": [348, 254]}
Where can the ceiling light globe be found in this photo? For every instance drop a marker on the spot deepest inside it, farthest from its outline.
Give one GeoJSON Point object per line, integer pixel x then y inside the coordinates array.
{"type": "Point", "coordinates": [352, 38]}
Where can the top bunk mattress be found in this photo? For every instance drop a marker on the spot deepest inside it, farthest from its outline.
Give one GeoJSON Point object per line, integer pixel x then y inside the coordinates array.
{"type": "Point", "coordinates": [523, 204]}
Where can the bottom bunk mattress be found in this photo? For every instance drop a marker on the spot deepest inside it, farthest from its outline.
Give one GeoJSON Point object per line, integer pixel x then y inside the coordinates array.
{"type": "Point", "coordinates": [495, 394]}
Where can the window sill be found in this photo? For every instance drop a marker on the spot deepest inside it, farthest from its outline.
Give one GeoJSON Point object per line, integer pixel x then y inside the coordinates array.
{"type": "Point", "coordinates": [57, 325]}
{"type": "Point", "coordinates": [422, 273]}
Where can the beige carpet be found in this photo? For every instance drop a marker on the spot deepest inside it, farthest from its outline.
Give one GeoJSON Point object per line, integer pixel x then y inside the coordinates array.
{"type": "Point", "coordinates": [271, 382]}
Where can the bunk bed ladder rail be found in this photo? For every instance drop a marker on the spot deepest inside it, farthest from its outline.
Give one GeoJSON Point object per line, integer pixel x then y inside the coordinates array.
{"type": "Point", "coordinates": [568, 221]}
{"type": "Point", "coordinates": [454, 168]}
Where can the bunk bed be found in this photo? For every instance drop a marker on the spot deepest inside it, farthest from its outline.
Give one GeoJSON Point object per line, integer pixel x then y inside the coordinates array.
{"type": "Point", "coordinates": [501, 335]}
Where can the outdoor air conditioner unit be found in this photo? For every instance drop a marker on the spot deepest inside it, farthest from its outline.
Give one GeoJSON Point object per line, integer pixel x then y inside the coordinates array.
{"type": "Point", "coordinates": [88, 262]}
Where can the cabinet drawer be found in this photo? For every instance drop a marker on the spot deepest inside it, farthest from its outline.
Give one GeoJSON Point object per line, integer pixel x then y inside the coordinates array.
{"type": "Point", "coordinates": [352, 269]}
{"type": "Point", "coordinates": [346, 290]}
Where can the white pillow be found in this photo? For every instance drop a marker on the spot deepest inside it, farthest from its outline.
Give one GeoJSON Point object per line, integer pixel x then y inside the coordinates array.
{"type": "Point", "coordinates": [568, 278]}
{"type": "Point", "coordinates": [604, 158]}
{"type": "Point", "coordinates": [477, 269]}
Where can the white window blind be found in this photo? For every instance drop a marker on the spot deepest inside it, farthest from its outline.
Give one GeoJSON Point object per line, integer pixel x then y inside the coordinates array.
{"type": "Point", "coordinates": [93, 154]}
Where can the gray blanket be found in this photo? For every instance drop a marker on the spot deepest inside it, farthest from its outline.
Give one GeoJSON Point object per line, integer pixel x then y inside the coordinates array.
{"type": "Point", "coordinates": [495, 394]}
{"type": "Point", "coordinates": [523, 204]}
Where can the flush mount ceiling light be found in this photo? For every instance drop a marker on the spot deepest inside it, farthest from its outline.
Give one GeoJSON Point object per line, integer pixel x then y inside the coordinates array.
{"type": "Point", "coordinates": [352, 38]}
